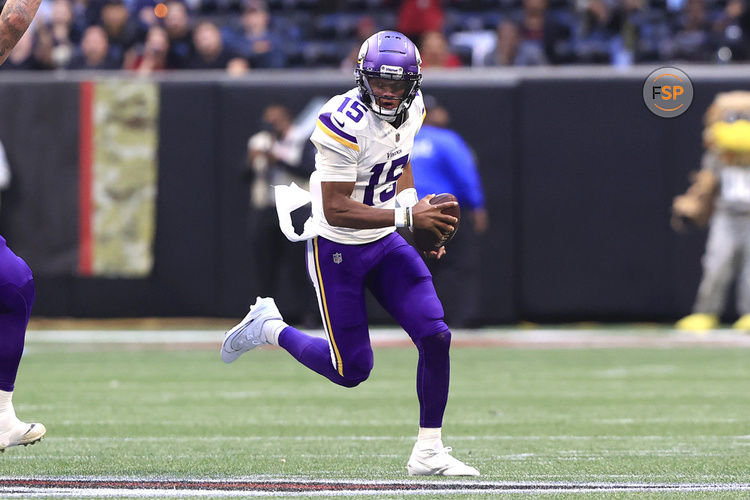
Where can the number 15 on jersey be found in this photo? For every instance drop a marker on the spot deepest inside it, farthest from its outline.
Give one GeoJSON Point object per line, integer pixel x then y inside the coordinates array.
{"type": "Point", "coordinates": [392, 174]}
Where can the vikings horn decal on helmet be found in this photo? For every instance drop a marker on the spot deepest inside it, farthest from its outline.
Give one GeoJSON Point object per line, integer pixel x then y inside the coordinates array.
{"type": "Point", "coordinates": [388, 73]}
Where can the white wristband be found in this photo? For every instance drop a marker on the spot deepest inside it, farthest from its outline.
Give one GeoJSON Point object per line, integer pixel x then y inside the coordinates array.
{"type": "Point", "coordinates": [407, 198]}
{"type": "Point", "coordinates": [399, 214]}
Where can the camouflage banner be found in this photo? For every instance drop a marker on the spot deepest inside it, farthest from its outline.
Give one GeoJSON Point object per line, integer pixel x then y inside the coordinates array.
{"type": "Point", "coordinates": [120, 209]}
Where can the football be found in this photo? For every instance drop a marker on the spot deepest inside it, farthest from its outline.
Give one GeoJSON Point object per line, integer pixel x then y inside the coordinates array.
{"type": "Point", "coordinates": [426, 240]}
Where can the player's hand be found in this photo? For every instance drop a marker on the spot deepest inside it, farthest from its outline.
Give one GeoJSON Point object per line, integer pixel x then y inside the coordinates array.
{"type": "Point", "coordinates": [431, 218]}
{"type": "Point", "coordinates": [436, 254]}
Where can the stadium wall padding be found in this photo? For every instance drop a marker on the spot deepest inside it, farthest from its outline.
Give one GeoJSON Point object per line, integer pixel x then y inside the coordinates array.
{"type": "Point", "coordinates": [578, 177]}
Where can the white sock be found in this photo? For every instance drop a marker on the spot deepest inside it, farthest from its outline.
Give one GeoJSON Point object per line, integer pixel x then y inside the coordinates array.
{"type": "Point", "coordinates": [6, 401]}
{"type": "Point", "coordinates": [7, 413]}
{"type": "Point", "coordinates": [272, 329]}
{"type": "Point", "coordinates": [430, 437]}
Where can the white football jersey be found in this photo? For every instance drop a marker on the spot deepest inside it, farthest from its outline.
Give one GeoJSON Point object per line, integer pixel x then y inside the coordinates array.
{"type": "Point", "coordinates": [355, 145]}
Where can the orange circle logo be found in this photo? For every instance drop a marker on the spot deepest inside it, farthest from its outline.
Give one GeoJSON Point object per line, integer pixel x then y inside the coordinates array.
{"type": "Point", "coordinates": [668, 92]}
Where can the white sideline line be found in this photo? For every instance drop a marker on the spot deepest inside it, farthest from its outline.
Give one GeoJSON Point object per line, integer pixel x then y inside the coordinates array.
{"type": "Point", "coordinates": [169, 493]}
{"type": "Point", "coordinates": [435, 480]}
{"type": "Point", "coordinates": [172, 439]}
{"type": "Point", "coordinates": [556, 337]}
{"type": "Point", "coordinates": [449, 488]}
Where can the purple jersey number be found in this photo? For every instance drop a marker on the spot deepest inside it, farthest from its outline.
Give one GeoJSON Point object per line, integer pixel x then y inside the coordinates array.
{"type": "Point", "coordinates": [356, 107]}
{"type": "Point", "coordinates": [394, 172]}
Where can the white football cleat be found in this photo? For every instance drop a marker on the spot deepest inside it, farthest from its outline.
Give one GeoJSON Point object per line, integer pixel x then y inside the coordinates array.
{"type": "Point", "coordinates": [248, 333]}
{"type": "Point", "coordinates": [21, 434]}
{"type": "Point", "coordinates": [437, 462]}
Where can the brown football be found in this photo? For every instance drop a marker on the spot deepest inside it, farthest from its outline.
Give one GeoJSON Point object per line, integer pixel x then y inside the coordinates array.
{"type": "Point", "coordinates": [426, 240]}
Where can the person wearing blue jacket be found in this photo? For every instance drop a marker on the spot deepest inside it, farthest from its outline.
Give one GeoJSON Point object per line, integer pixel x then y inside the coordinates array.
{"type": "Point", "coordinates": [442, 162]}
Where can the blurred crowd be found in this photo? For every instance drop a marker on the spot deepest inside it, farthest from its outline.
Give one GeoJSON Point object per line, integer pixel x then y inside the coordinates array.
{"type": "Point", "coordinates": [243, 35]}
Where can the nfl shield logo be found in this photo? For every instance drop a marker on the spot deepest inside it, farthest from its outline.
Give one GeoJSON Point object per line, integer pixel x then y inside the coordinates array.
{"type": "Point", "coordinates": [337, 258]}
{"type": "Point", "coordinates": [398, 136]}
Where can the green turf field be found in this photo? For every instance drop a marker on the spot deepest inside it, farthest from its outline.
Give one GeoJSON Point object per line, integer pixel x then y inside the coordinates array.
{"type": "Point", "coordinates": [546, 415]}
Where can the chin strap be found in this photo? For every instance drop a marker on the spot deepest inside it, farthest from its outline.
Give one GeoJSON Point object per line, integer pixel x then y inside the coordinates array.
{"type": "Point", "coordinates": [365, 97]}
{"type": "Point", "coordinates": [388, 118]}
{"type": "Point", "coordinates": [395, 121]}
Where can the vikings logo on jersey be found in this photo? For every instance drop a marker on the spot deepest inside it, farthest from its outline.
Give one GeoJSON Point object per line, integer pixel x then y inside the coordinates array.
{"type": "Point", "coordinates": [355, 145]}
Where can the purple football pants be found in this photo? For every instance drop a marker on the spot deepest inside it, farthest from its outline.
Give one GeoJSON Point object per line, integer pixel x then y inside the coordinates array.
{"type": "Point", "coordinates": [16, 299]}
{"type": "Point", "coordinates": [399, 279]}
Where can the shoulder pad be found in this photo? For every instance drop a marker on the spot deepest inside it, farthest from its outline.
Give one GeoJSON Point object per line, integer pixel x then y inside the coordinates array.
{"type": "Point", "coordinates": [342, 119]}
{"type": "Point", "coordinates": [334, 126]}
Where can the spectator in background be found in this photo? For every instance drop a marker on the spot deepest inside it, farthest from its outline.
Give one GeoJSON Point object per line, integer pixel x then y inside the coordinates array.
{"type": "Point", "coordinates": [177, 24]}
{"type": "Point", "coordinates": [65, 32]}
{"type": "Point", "coordinates": [94, 51]}
{"type": "Point", "coordinates": [691, 40]}
{"type": "Point", "coordinates": [539, 29]}
{"type": "Point", "coordinates": [210, 52]}
{"type": "Point", "coordinates": [443, 163]}
{"type": "Point", "coordinates": [365, 29]}
{"type": "Point", "coordinates": [122, 31]}
{"type": "Point", "coordinates": [279, 154]}
{"type": "Point", "coordinates": [511, 50]}
{"type": "Point", "coordinates": [417, 17]}
{"type": "Point", "coordinates": [620, 32]}
{"type": "Point", "coordinates": [435, 52]}
{"type": "Point", "coordinates": [639, 33]}
{"type": "Point", "coordinates": [732, 30]}
{"type": "Point", "coordinates": [43, 48]}
{"type": "Point", "coordinates": [253, 38]}
{"type": "Point", "coordinates": [92, 11]}
{"type": "Point", "coordinates": [143, 12]}
{"type": "Point", "coordinates": [153, 54]}
{"type": "Point", "coordinates": [598, 27]}
{"type": "Point", "coordinates": [238, 66]}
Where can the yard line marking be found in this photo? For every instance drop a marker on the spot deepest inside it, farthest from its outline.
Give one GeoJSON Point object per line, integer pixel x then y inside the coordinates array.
{"type": "Point", "coordinates": [79, 487]}
{"type": "Point", "coordinates": [170, 439]}
{"type": "Point", "coordinates": [394, 337]}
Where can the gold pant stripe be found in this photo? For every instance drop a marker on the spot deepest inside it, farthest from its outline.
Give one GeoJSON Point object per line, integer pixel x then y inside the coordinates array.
{"type": "Point", "coordinates": [339, 363]}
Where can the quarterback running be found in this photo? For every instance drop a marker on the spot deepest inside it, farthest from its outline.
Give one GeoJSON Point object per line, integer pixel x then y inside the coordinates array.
{"type": "Point", "coordinates": [361, 191]}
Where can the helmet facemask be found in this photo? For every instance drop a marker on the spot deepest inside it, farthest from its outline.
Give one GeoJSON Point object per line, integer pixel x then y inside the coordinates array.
{"type": "Point", "coordinates": [388, 97]}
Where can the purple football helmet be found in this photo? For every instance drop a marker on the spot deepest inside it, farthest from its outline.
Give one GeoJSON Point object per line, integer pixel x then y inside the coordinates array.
{"type": "Point", "coordinates": [388, 73]}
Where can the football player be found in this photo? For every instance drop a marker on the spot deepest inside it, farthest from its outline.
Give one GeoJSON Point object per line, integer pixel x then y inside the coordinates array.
{"type": "Point", "coordinates": [16, 283]}
{"type": "Point", "coordinates": [362, 190]}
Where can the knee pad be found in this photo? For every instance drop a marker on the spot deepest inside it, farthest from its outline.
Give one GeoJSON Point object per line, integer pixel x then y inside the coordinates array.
{"type": "Point", "coordinates": [429, 328]}
{"type": "Point", "coordinates": [17, 300]}
{"type": "Point", "coordinates": [358, 368]}
{"type": "Point", "coordinates": [437, 342]}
